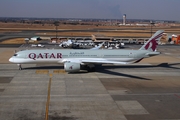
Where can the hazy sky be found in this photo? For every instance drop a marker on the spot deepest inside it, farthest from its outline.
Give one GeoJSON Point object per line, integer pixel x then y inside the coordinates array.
{"type": "Point", "coordinates": [134, 9]}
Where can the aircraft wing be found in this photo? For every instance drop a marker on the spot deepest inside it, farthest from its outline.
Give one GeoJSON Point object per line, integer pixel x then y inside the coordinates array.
{"type": "Point", "coordinates": [103, 62]}
{"type": "Point", "coordinates": [94, 61]}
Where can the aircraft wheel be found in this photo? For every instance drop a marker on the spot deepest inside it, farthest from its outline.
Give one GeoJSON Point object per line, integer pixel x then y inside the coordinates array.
{"type": "Point", "coordinates": [91, 69]}
{"type": "Point", "coordinates": [20, 67]}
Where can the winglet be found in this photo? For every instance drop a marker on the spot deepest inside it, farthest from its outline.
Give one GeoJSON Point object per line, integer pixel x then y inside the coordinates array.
{"type": "Point", "coordinates": [151, 44]}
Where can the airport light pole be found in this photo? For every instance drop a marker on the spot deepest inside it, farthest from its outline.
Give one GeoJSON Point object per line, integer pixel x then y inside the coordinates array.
{"type": "Point", "coordinates": [56, 23]}
{"type": "Point", "coordinates": [152, 23]}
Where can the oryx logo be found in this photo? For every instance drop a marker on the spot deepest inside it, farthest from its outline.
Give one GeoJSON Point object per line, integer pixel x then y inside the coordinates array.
{"type": "Point", "coordinates": [152, 43]}
{"type": "Point", "coordinates": [71, 67]}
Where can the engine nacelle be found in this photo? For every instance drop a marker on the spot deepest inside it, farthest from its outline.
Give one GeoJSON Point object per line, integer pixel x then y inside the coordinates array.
{"type": "Point", "coordinates": [72, 67]}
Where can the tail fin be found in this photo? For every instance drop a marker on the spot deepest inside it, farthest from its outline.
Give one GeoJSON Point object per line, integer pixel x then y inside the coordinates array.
{"type": "Point", "coordinates": [151, 44]}
{"type": "Point", "coordinates": [93, 37]}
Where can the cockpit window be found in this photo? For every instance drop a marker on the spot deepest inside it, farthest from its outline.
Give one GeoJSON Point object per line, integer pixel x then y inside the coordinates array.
{"type": "Point", "coordinates": [15, 54]}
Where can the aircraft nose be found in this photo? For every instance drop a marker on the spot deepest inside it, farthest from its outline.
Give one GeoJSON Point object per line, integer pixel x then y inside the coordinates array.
{"type": "Point", "coordinates": [11, 60]}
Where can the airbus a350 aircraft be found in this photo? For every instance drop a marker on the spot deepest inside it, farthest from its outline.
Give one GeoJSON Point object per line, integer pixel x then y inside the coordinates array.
{"type": "Point", "coordinates": [75, 60]}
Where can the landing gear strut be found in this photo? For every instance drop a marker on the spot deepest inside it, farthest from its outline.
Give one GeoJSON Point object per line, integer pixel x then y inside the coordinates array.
{"type": "Point", "coordinates": [90, 68]}
{"type": "Point", "coordinates": [20, 67]}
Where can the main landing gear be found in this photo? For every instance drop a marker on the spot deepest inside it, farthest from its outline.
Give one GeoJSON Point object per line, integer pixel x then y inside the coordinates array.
{"type": "Point", "coordinates": [20, 67]}
{"type": "Point", "coordinates": [89, 67]}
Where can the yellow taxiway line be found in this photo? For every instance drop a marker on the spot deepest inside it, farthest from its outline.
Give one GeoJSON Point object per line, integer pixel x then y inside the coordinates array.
{"type": "Point", "coordinates": [48, 98]}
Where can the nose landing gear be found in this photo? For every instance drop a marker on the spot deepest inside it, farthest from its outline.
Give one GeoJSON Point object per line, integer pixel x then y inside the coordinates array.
{"type": "Point", "coordinates": [20, 67]}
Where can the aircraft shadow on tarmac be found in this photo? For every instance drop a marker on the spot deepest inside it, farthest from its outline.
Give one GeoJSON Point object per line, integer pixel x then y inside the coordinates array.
{"type": "Point", "coordinates": [107, 69]}
{"type": "Point", "coordinates": [44, 67]}
{"type": "Point", "coordinates": [165, 65]}
{"type": "Point", "coordinates": [121, 74]}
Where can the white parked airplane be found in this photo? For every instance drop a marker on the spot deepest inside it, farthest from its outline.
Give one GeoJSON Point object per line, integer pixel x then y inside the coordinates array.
{"type": "Point", "coordinates": [97, 46]}
{"type": "Point", "coordinates": [66, 44]}
{"type": "Point", "coordinates": [70, 43]}
{"type": "Point", "coordinates": [74, 60]}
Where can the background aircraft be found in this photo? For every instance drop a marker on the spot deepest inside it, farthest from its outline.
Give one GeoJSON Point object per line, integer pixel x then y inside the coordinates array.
{"type": "Point", "coordinates": [66, 44]}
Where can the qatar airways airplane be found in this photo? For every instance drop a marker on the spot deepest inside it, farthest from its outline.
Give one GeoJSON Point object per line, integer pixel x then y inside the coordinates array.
{"type": "Point", "coordinates": [75, 60]}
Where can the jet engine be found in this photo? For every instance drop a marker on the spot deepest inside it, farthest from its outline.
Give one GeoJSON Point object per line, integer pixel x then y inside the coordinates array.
{"type": "Point", "coordinates": [72, 67]}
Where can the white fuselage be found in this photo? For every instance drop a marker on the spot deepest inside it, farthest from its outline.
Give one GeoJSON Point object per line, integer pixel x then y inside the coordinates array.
{"type": "Point", "coordinates": [60, 56]}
